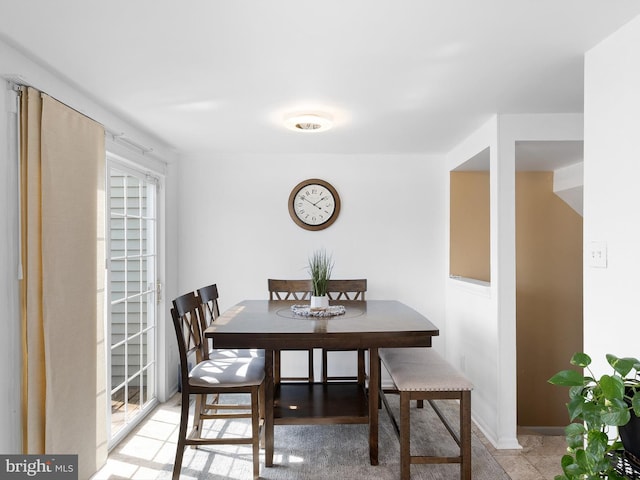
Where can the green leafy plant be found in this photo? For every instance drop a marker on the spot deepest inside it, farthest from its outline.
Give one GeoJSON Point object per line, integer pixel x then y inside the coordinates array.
{"type": "Point", "coordinates": [598, 404]}
{"type": "Point", "coordinates": [320, 267]}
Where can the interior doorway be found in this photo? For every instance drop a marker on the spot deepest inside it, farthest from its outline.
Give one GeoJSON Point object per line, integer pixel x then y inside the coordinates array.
{"type": "Point", "coordinates": [549, 264]}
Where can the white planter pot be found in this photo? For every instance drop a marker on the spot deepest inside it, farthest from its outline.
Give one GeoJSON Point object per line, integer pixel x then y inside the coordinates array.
{"type": "Point", "coordinates": [319, 302]}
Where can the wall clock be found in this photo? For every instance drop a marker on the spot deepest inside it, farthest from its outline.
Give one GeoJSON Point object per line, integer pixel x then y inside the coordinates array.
{"type": "Point", "coordinates": [314, 204]}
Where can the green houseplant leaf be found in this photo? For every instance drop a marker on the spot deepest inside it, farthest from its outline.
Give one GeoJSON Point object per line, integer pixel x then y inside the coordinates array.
{"type": "Point", "coordinates": [635, 403]}
{"type": "Point", "coordinates": [320, 267]}
{"type": "Point", "coordinates": [621, 365]}
{"type": "Point", "coordinates": [567, 378]}
{"type": "Point", "coordinates": [581, 360]}
{"type": "Point", "coordinates": [612, 387]}
{"type": "Point", "coordinates": [599, 404]}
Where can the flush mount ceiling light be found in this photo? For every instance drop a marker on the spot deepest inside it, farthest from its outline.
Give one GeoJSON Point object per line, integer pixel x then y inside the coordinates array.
{"type": "Point", "coordinates": [308, 122]}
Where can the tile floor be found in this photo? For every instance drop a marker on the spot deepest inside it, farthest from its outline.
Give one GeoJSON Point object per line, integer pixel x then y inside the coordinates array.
{"type": "Point", "coordinates": [539, 458]}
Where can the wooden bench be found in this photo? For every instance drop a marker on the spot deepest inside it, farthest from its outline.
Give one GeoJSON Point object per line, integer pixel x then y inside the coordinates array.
{"type": "Point", "coordinates": [422, 374]}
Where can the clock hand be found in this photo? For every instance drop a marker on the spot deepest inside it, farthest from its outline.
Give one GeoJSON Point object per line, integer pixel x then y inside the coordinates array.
{"type": "Point", "coordinates": [314, 204]}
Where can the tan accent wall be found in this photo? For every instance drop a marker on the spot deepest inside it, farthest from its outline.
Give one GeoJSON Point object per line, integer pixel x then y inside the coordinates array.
{"type": "Point", "coordinates": [548, 297]}
{"type": "Point", "coordinates": [469, 254]}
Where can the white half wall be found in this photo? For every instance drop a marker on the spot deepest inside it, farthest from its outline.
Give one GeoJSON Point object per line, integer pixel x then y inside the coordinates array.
{"type": "Point", "coordinates": [481, 319]}
{"type": "Point", "coordinates": [611, 198]}
{"type": "Point", "coordinates": [235, 229]}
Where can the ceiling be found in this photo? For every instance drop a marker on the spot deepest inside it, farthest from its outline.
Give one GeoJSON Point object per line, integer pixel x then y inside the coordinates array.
{"type": "Point", "coordinates": [410, 76]}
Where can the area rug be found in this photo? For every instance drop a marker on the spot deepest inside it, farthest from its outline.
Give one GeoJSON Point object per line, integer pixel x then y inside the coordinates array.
{"type": "Point", "coordinates": [332, 452]}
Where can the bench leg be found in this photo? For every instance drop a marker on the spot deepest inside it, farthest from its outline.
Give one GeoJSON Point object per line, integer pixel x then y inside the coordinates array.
{"type": "Point", "coordinates": [465, 435]}
{"type": "Point", "coordinates": [405, 434]}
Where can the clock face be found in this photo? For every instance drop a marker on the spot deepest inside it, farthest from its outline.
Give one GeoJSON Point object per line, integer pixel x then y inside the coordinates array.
{"type": "Point", "coordinates": [314, 204]}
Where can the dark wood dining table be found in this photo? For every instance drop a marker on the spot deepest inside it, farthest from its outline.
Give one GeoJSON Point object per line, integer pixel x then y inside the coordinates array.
{"type": "Point", "coordinates": [273, 326]}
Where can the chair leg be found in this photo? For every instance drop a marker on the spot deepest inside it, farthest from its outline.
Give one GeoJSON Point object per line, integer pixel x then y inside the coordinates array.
{"type": "Point", "coordinates": [263, 412]}
{"type": "Point", "coordinates": [310, 365]}
{"type": "Point", "coordinates": [255, 430]}
{"type": "Point", "coordinates": [325, 366]}
{"type": "Point", "coordinates": [380, 382]}
{"type": "Point", "coordinates": [361, 367]}
{"type": "Point", "coordinates": [405, 435]}
{"type": "Point", "coordinates": [182, 436]}
{"type": "Point", "coordinates": [276, 366]}
{"type": "Point", "coordinates": [200, 407]}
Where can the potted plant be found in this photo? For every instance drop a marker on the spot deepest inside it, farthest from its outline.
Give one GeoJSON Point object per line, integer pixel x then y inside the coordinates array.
{"type": "Point", "coordinates": [597, 404]}
{"type": "Point", "coordinates": [320, 266]}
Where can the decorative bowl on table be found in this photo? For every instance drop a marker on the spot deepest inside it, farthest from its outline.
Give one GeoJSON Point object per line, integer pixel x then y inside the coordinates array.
{"type": "Point", "coordinates": [308, 311]}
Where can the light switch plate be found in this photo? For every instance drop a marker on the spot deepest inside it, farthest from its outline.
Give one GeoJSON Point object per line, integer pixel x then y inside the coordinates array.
{"type": "Point", "coordinates": [598, 254]}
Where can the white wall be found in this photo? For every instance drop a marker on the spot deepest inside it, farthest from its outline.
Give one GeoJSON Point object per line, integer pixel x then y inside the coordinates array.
{"type": "Point", "coordinates": [15, 65]}
{"type": "Point", "coordinates": [235, 228]}
{"type": "Point", "coordinates": [611, 200]}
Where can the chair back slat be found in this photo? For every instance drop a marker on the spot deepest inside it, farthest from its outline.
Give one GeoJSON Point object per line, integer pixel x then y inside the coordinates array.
{"type": "Point", "coordinates": [289, 289]}
{"type": "Point", "coordinates": [188, 322]}
{"type": "Point", "coordinates": [347, 289]}
{"type": "Point", "coordinates": [209, 299]}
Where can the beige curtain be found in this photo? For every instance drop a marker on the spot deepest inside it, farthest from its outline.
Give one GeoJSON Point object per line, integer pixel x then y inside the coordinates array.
{"type": "Point", "coordinates": [62, 197]}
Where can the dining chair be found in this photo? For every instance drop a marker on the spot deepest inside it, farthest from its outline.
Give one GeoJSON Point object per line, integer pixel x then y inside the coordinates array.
{"type": "Point", "coordinates": [345, 290]}
{"type": "Point", "coordinates": [213, 376]}
{"type": "Point", "coordinates": [291, 290]}
{"type": "Point", "coordinates": [209, 300]}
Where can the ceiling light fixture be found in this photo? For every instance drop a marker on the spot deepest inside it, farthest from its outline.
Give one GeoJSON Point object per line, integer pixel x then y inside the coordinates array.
{"type": "Point", "coordinates": [309, 122]}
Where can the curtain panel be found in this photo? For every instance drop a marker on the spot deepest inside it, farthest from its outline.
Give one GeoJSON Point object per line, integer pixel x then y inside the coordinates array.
{"type": "Point", "coordinates": [62, 293]}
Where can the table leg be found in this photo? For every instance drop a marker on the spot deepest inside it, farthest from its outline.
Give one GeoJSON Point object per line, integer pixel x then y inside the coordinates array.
{"type": "Point", "coordinates": [268, 414]}
{"type": "Point", "coordinates": [374, 382]}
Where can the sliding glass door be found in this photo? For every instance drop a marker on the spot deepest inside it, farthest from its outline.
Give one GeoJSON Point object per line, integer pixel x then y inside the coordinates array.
{"type": "Point", "coordinates": [132, 292]}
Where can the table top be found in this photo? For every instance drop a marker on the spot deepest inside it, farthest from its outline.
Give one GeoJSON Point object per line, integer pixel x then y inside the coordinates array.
{"type": "Point", "coordinates": [365, 324]}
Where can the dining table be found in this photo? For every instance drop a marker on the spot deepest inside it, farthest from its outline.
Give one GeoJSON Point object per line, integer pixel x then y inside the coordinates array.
{"type": "Point", "coordinates": [276, 325]}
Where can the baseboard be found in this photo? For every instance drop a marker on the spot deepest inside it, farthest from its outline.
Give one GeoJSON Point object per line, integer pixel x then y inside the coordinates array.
{"type": "Point", "coordinates": [539, 430]}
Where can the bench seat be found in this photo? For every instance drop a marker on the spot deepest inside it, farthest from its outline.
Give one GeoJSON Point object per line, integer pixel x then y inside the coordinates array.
{"type": "Point", "coordinates": [423, 374]}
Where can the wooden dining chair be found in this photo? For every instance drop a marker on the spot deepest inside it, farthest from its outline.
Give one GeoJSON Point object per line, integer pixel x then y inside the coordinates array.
{"type": "Point", "coordinates": [209, 300]}
{"type": "Point", "coordinates": [208, 297]}
{"type": "Point", "coordinates": [213, 376]}
{"type": "Point", "coordinates": [291, 290]}
{"type": "Point", "coordinates": [345, 290]}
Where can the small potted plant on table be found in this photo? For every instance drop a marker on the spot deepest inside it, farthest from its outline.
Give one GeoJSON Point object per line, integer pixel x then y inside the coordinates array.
{"type": "Point", "coordinates": [599, 404]}
{"type": "Point", "coordinates": [320, 267]}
